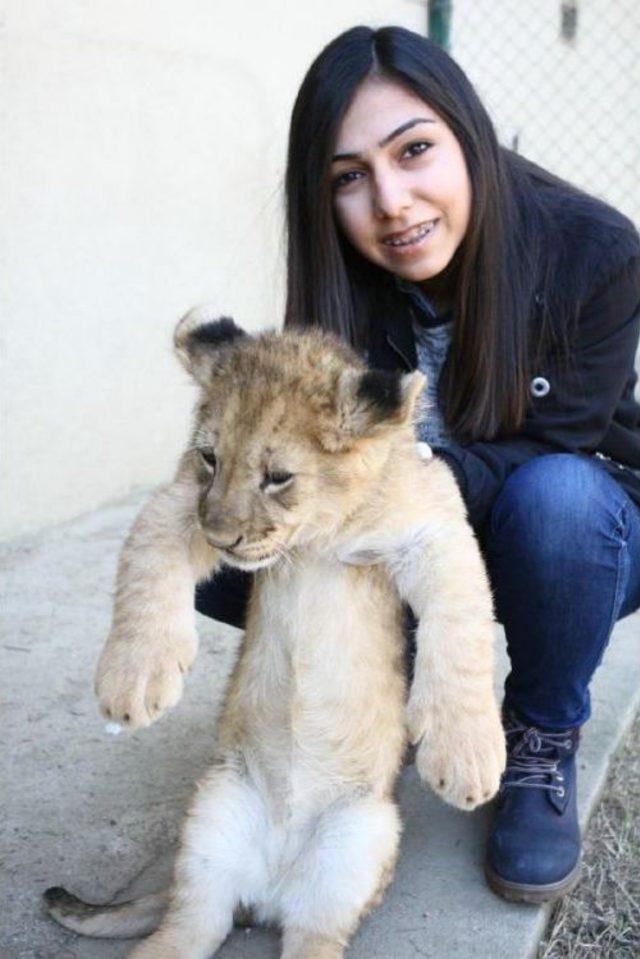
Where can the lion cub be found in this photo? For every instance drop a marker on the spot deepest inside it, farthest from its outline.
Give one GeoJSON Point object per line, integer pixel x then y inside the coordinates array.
{"type": "Point", "coordinates": [303, 467]}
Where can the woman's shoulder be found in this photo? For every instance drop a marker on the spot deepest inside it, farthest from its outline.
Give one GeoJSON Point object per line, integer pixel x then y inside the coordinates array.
{"type": "Point", "coordinates": [587, 231]}
{"type": "Point", "coordinates": [595, 264]}
{"type": "Point", "coordinates": [586, 254]}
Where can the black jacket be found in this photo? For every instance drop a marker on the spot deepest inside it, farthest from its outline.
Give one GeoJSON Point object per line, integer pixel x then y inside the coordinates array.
{"type": "Point", "coordinates": [588, 404]}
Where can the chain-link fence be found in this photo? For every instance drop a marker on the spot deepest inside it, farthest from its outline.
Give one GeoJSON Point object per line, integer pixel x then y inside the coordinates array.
{"type": "Point", "coordinates": [561, 80]}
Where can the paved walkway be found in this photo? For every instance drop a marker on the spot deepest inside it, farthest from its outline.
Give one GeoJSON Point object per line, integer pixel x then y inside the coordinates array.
{"type": "Point", "coordinates": [93, 812]}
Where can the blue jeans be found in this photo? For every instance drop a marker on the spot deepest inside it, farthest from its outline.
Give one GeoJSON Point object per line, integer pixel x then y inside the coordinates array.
{"type": "Point", "coordinates": [563, 551]}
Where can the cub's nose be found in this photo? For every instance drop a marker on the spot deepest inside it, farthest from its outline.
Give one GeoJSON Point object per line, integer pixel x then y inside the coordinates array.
{"type": "Point", "coordinates": [220, 544]}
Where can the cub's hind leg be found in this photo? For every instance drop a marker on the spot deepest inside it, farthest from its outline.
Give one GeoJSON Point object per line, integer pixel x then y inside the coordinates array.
{"type": "Point", "coordinates": [340, 875]}
{"type": "Point", "coordinates": [220, 864]}
{"type": "Point", "coordinates": [302, 944]}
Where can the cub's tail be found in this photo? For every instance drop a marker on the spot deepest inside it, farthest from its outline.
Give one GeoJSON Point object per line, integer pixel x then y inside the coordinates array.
{"type": "Point", "coordinates": [124, 920]}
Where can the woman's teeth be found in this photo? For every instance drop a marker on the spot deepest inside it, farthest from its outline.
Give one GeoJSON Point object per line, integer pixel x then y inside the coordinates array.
{"type": "Point", "coordinates": [414, 236]}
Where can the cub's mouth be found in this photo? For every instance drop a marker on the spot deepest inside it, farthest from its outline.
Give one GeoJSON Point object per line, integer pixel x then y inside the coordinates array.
{"type": "Point", "coordinates": [251, 556]}
{"type": "Point", "coordinates": [248, 556]}
{"type": "Point", "coordinates": [249, 562]}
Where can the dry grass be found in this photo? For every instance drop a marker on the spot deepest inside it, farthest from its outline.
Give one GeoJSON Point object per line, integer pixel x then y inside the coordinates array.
{"type": "Point", "coordinates": [601, 918]}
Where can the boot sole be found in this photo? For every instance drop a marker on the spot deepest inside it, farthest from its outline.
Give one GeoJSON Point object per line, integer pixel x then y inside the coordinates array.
{"type": "Point", "coordinates": [524, 892]}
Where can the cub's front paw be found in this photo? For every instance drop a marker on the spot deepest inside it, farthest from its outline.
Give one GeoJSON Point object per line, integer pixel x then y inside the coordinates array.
{"type": "Point", "coordinates": [461, 755]}
{"type": "Point", "coordinates": [136, 682]}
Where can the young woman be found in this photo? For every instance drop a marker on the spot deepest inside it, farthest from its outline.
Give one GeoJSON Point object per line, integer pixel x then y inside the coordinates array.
{"type": "Point", "coordinates": [416, 238]}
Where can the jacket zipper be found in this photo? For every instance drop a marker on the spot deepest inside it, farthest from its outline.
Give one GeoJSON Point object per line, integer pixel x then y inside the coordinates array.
{"type": "Point", "coordinates": [396, 349]}
{"type": "Point", "coordinates": [607, 459]}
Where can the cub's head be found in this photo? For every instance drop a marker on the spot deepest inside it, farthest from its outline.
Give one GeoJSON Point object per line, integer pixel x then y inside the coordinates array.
{"type": "Point", "coordinates": [292, 434]}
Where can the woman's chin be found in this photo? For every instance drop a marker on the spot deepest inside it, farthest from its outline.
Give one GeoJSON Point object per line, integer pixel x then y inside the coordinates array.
{"type": "Point", "coordinates": [421, 269]}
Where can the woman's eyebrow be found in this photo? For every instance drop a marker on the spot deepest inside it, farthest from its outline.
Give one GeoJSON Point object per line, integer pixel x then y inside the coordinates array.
{"type": "Point", "coordinates": [391, 136]}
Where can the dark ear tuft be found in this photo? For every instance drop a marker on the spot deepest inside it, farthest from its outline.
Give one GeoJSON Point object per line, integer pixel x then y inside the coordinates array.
{"type": "Point", "coordinates": [381, 391]}
{"type": "Point", "coordinates": [197, 338]}
{"type": "Point", "coordinates": [368, 403]}
{"type": "Point", "coordinates": [216, 333]}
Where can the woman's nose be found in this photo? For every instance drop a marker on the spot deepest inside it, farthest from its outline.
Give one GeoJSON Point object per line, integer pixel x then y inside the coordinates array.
{"type": "Point", "coordinates": [390, 196]}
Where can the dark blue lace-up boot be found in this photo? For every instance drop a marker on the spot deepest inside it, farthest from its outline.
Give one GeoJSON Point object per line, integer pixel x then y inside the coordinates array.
{"type": "Point", "coordinates": [534, 847]}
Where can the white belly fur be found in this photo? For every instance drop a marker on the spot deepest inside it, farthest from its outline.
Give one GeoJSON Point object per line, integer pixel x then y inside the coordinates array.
{"type": "Point", "coordinates": [314, 714]}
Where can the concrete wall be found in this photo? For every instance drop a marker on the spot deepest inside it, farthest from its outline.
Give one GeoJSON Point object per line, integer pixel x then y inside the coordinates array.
{"type": "Point", "coordinates": [144, 145]}
{"type": "Point", "coordinates": [143, 154]}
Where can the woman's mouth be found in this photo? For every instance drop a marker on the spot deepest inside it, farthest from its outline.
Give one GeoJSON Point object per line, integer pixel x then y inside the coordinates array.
{"type": "Point", "coordinates": [412, 238]}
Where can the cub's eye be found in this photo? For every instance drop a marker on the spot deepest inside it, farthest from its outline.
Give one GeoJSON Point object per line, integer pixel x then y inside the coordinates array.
{"type": "Point", "coordinates": [276, 478]}
{"type": "Point", "coordinates": [208, 457]}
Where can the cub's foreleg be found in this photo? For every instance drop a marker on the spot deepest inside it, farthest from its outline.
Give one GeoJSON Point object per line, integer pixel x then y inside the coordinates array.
{"type": "Point", "coordinates": [452, 710]}
{"type": "Point", "coordinates": [221, 863]}
{"type": "Point", "coordinates": [153, 639]}
{"type": "Point", "coordinates": [340, 875]}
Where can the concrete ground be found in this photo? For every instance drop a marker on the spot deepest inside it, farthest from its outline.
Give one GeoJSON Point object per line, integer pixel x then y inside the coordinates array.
{"type": "Point", "coordinates": [100, 815]}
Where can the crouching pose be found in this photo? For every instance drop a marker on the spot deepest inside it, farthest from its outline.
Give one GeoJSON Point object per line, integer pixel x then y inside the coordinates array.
{"type": "Point", "coordinates": [303, 467]}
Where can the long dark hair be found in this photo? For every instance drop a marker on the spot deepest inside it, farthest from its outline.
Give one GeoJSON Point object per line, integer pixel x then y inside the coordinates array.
{"type": "Point", "coordinates": [501, 269]}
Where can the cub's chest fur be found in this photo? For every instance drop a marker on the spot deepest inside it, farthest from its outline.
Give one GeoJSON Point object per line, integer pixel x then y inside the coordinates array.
{"type": "Point", "coordinates": [321, 669]}
{"type": "Point", "coordinates": [321, 602]}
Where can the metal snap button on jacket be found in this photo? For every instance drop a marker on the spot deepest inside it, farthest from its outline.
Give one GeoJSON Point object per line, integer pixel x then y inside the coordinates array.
{"type": "Point", "coordinates": [539, 386]}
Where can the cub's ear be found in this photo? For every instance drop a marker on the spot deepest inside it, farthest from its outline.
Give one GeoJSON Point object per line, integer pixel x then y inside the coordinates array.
{"type": "Point", "coordinates": [199, 336]}
{"type": "Point", "coordinates": [370, 402]}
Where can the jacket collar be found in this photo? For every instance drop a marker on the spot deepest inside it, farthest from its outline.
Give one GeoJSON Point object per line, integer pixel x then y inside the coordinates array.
{"type": "Point", "coordinates": [398, 335]}
{"type": "Point", "coordinates": [420, 300]}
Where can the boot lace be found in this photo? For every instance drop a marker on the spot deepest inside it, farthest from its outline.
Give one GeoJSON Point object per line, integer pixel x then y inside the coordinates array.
{"type": "Point", "coordinates": [533, 757]}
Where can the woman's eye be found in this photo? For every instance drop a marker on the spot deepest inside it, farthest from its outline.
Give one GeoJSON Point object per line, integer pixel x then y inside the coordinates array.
{"type": "Point", "coordinates": [344, 179]}
{"type": "Point", "coordinates": [415, 149]}
{"type": "Point", "coordinates": [276, 478]}
{"type": "Point", "coordinates": [208, 457]}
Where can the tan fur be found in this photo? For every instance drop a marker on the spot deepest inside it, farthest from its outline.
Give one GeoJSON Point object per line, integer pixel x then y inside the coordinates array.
{"type": "Point", "coordinates": [297, 819]}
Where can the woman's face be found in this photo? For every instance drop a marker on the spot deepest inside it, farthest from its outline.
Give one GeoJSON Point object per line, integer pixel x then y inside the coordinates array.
{"type": "Point", "coordinates": [402, 194]}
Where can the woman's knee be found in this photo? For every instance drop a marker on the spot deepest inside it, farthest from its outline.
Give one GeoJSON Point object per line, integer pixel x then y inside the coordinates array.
{"type": "Point", "coordinates": [555, 546]}
{"type": "Point", "coordinates": [559, 498]}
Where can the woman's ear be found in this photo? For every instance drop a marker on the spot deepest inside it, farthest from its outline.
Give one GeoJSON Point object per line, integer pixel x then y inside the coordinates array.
{"type": "Point", "coordinates": [198, 339]}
